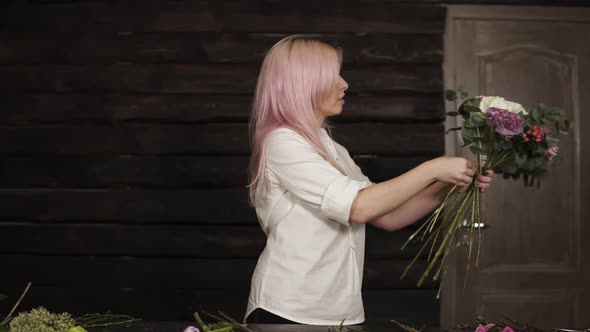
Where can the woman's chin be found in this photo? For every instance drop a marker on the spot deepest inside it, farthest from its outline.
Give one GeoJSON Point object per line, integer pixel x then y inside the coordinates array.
{"type": "Point", "coordinates": [337, 111]}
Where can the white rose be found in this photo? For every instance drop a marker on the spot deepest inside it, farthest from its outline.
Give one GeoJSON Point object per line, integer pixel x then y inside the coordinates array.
{"type": "Point", "coordinates": [516, 107]}
{"type": "Point", "coordinates": [499, 102]}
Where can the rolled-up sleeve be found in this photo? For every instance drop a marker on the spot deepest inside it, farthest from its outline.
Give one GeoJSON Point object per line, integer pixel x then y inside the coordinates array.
{"type": "Point", "coordinates": [297, 166]}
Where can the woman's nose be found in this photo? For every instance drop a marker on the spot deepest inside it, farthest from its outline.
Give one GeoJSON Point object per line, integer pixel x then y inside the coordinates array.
{"type": "Point", "coordinates": [343, 84]}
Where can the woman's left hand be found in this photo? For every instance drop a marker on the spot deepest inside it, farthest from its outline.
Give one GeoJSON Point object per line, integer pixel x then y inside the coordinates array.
{"type": "Point", "coordinates": [483, 181]}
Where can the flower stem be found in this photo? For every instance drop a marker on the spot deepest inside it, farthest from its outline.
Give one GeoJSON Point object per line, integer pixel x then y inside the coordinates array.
{"type": "Point", "coordinates": [9, 316]}
{"type": "Point", "coordinates": [449, 235]}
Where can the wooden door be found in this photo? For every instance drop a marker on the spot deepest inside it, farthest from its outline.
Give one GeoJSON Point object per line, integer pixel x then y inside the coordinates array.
{"type": "Point", "coordinates": [535, 261]}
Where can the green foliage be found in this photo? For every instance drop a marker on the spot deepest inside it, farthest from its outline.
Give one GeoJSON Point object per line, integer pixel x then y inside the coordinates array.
{"type": "Point", "coordinates": [77, 329]}
{"type": "Point", "coordinates": [103, 320]}
{"type": "Point", "coordinates": [450, 95]}
{"type": "Point", "coordinates": [223, 324]}
{"type": "Point", "coordinates": [3, 297]}
{"type": "Point", "coordinates": [463, 93]}
{"type": "Point", "coordinates": [41, 320]}
{"type": "Point", "coordinates": [342, 328]}
{"type": "Point", "coordinates": [547, 115]}
{"type": "Point", "coordinates": [452, 129]}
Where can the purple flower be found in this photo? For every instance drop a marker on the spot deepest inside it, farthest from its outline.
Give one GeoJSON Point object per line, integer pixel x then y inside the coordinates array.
{"type": "Point", "coordinates": [482, 328]}
{"type": "Point", "coordinates": [191, 329]}
{"type": "Point", "coordinates": [506, 123]}
{"type": "Point", "coordinates": [507, 329]}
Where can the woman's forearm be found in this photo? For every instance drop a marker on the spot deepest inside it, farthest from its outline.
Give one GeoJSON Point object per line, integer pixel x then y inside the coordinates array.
{"type": "Point", "coordinates": [380, 199]}
{"type": "Point", "coordinates": [415, 208]}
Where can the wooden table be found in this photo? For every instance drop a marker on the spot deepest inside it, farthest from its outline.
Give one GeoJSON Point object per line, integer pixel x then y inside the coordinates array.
{"type": "Point", "coordinates": [154, 326]}
{"type": "Point", "coordinates": [159, 326]}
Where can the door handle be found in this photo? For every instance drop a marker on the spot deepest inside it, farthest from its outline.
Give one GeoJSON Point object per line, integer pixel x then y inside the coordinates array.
{"type": "Point", "coordinates": [465, 240]}
{"type": "Point", "coordinates": [467, 224]}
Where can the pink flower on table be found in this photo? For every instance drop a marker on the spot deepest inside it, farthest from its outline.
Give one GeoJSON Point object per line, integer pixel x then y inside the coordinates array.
{"type": "Point", "coordinates": [484, 328]}
{"type": "Point", "coordinates": [507, 329]}
{"type": "Point", "coordinates": [191, 329]}
{"type": "Point", "coordinates": [551, 152]}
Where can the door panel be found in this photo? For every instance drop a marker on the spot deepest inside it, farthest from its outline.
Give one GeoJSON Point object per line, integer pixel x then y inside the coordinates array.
{"type": "Point", "coordinates": [533, 265]}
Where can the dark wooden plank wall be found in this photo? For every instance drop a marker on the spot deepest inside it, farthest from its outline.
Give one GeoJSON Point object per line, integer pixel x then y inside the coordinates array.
{"type": "Point", "coordinates": [123, 143]}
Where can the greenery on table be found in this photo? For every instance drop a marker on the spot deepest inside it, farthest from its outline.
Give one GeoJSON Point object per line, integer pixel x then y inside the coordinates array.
{"type": "Point", "coordinates": [223, 324]}
{"type": "Point", "coordinates": [41, 320]}
{"type": "Point", "coordinates": [342, 328]}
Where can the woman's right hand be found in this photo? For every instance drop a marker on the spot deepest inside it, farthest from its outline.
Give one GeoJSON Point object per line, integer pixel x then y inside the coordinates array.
{"type": "Point", "coordinates": [454, 170]}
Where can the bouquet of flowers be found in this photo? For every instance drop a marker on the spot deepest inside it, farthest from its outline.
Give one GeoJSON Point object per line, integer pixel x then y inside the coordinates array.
{"type": "Point", "coordinates": [504, 137]}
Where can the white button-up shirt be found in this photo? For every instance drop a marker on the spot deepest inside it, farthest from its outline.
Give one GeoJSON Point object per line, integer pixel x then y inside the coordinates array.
{"type": "Point", "coordinates": [311, 268]}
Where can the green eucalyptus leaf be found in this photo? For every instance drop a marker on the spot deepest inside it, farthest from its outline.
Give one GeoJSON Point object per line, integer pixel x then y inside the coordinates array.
{"type": "Point", "coordinates": [470, 123]}
{"type": "Point", "coordinates": [468, 133]}
{"type": "Point", "coordinates": [509, 168]}
{"type": "Point", "coordinates": [452, 129]}
{"type": "Point", "coordinates": [520, 159]}
{"type": "Point", "coordinates": [540, 163]}
{"type": "Point", "coordinates": [497, 145]}
{"type": "Point", "coordinates": [450, 95]}
{"type": "Point", "coordinates": [552, 141]}
{"type": "Point", "coordinates": [466, 141]}
{"type": "Point", "coordinates": [532, 164]}
{"type": "Point", "coordinates": [535, 114]}
{"type": "Point", "coordinates": [507, 145]}
{"type": "Point", "coordinates": [452, 113]}
{"type": "Point", "coordinates": [464, 94]}
{"type": "Point", "coordinates": [472, 109]}
{"type": "Point", "coordinates": [463, 111]}
{"type": "Point", "coordinates": [479, 120]}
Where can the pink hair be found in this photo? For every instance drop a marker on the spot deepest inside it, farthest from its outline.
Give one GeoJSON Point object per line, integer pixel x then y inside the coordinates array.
{"type": "Point", "coordinates": [297, 74]}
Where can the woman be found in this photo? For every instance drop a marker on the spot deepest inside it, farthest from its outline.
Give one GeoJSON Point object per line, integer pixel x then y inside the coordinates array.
{"type": "Point", "coordinates": [313, 201]}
